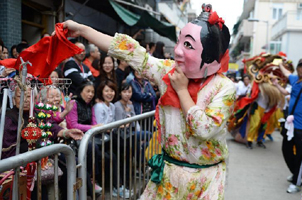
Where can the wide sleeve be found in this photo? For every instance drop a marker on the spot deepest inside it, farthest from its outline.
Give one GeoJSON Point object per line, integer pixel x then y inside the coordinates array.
{"type": "Point", "coordinates": [123, 47]}
{"type": "Point", "coordinates": [207, 123]}
{"type": "Point", "coordinates": [72, 120]}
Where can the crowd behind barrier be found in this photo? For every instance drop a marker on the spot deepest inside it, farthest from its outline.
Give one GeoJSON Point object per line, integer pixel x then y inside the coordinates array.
{"type": "Point", "coordinates": [79, 100]}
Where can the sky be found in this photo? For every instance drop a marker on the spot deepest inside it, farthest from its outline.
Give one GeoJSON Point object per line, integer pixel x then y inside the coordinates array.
{"type": "Point", "coordinates": [228, 10]}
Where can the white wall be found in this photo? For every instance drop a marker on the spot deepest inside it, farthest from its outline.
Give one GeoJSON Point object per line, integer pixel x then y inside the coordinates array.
{"type": "Point", "coordinates": [292, 46]}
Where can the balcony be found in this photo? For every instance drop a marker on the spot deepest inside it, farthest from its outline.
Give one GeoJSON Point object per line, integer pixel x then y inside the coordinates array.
{"type": "Point", "coordinates": [245, 31]}
{"type": "Point", "coordinates": [291, 21]}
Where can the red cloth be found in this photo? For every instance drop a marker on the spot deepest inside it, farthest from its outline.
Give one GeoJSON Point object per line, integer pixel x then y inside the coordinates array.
{"type": "Point", "coordinates": [94, 72]}
{"type": "Point", "coordinates": [170, 98]}
{"type": "Point", "coordinates": [247, 100]}
{"type": "Point", "coordinates": [46, 54]}
{"type": "Point", "coordinates": [267, 115]}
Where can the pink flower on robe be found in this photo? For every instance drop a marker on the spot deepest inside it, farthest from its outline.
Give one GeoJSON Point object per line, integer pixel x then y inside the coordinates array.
{"type": "Point", "coordinates": [172, 140]}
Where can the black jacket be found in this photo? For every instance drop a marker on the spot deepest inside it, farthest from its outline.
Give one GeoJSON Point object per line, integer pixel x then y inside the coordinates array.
{"type": "Point", "coordinates": [73, 71]}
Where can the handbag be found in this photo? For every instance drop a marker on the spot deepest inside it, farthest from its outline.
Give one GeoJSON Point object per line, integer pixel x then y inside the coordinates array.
{"type": "Point", "coordinates": [284, 130]}
{"type": "Point", "coordinates": [48, 174]}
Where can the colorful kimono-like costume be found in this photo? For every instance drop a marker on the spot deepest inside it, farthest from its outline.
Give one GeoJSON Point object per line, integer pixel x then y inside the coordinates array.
{"type": "Point", "coordinates": [198, 138]}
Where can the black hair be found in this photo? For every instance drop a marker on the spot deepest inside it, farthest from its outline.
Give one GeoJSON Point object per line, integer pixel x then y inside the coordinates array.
{"type": "Point", "coordinates": [85, 83]}
{"type": "Point", "coordinates": [214, 40]}
{"type": "Point", "coordinates": [125, 86]}
{"type": "Point", "coordinates": [103, 74]}
{"type": "Point", "coordinates": [246, 75]}
{"type": "Point", "coordinates": [59, 72]}
{"type": "Point", "coordinates": [111, 84]}
{"type": "Point", "coordinates": [151, 44]}
{"type": "Point", "coordinates": [159, 50]}
{"type": "Point", "coordinates": [21, 46]}
{"type": "Point", "coordinates": [1, 43]}
{"type": "Point", "coordinates": [11, 50]}
{"type": "Point", "coordinates": [24, 41]}
{"type": "Point", "coordinates": [96, 64]}
{"type": "Point", "coordinates": [143, 44]}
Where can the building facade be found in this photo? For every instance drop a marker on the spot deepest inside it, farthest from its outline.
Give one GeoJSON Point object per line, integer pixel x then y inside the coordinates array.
{"type": "Point", "coordinates": [267, 26]}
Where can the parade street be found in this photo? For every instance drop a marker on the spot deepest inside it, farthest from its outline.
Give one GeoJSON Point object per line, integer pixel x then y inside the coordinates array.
{"type": "Point", "coordinates": [257, 174]}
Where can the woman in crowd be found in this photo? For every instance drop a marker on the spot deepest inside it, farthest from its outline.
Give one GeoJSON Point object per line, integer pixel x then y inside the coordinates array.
{"type": "Point", "coordinates": [105, 114]}
{"type": "Point", "coordinates": [105, 110]}
{"type": "Point", "coordinates": [124, 109]}
{"type": "Point", "coordinates": [55, 77]}
{"type": "Point", "coordinates": [143, 96]}
{"type": "Point", "coordinates": [106, 70]}
{"type": "Point", "coordinates": [197, 100]}
{"type": "Point", "coordinates": [82, 117]}
{"type": "Point", "coordinates": [13, 51]}
{"type": "Point", "coordinates": [52, 96]}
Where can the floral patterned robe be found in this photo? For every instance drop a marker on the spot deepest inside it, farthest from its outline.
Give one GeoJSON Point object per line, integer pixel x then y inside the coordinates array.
{"type": "Point", "coordinates": [199, 137]}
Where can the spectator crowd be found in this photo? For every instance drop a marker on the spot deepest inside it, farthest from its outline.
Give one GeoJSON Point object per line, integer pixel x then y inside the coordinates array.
{"type": "Point", "coordinates": [102, 90]}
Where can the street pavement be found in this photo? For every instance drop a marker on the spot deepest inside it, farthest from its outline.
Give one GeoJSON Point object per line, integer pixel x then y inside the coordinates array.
{"type": "Point", "coordinates": [257, 174]}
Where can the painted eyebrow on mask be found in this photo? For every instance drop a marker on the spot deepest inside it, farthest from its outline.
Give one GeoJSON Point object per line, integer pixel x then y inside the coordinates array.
{"type": "Point", "coordinates": [190, 36]}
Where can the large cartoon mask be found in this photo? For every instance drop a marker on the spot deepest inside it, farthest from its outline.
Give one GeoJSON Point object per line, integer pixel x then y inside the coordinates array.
{"type": "Point", "coordinates": [202, 45]}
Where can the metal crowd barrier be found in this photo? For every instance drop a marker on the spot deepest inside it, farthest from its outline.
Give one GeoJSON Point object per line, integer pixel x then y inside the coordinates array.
{"type": "Point", "coordinates": [30, 156]}
{"type": "Point", "coordinates": [137, 163]}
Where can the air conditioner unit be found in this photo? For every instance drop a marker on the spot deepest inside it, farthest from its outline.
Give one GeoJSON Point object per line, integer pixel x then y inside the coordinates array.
{"type": "Point", "coordinates": [299, 5]}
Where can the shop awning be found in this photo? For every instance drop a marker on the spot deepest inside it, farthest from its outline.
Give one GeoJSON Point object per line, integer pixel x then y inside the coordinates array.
{"type": "Point", "coordinates": [145, 20]}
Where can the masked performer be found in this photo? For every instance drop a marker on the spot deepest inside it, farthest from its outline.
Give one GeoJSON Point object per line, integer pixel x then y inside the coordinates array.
{"type": "Point", "coordinates": [197, 100]}
{"type": "Point", "coordinates": [253, 112]}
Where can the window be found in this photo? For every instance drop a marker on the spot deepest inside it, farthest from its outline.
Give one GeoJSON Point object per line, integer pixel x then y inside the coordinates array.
{"type": "Point", "coordinates": [299, 14]}
{"type": "Point", "coordinates": [277, 11]}
{"type": "Point", "coordinates": [275, 47]}
{"type": "Point", "coordinates": [251, 14]}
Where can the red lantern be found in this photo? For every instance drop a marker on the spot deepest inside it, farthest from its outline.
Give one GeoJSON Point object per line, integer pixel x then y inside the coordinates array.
{"type": "Point", "coordinates": [31, 133]}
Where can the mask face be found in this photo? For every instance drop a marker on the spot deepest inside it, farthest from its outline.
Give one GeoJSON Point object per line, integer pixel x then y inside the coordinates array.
{"type": "Point", "coordinates": [188, 51]}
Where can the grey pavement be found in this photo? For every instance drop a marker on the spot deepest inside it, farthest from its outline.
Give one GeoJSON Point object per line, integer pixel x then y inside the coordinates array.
{"type": "Point", "coordinates": [257, 174]}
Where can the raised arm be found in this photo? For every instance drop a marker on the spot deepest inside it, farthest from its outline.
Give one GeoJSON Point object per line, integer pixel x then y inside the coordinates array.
{"type": "Point", "coordinates": [280, 88]}
{"type": "Point", "coordinates": [123, 47]}
{"type": "Point", "coordinates": [284, 70]}
{"type": "Point", "coordinates": [99, 39]}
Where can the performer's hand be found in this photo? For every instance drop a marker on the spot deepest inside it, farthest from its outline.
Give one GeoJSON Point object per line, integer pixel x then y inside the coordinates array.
{"type": "Point", "coordinates": [178, 79]}
{"type": "Point", "coordinates": [74, 28]}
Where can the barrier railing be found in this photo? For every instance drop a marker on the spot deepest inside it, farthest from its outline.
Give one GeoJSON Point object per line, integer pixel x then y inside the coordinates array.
{"type": "Point", "coordinates": [123, 149]}
{"type": "Point", "coordinates": [31, 156]}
